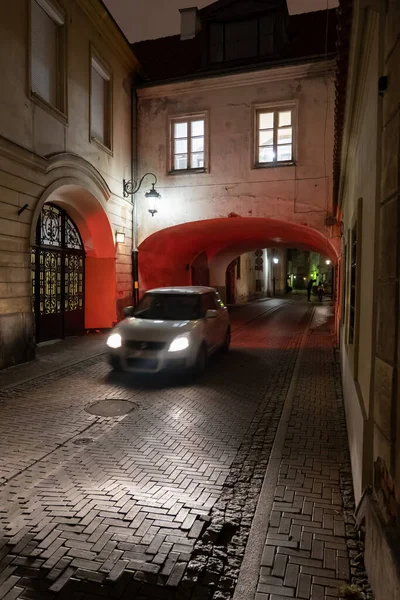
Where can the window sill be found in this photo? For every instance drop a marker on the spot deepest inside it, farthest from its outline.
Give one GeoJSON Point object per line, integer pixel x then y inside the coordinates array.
{"type": "Point", "coordinates": [275, 165]}
{"type": "Point", "coordinates": [188, 171]}
{"type": "Point", "coordinates": [52, 110]}
{"type": "Point", "coordinates": [101, 146]}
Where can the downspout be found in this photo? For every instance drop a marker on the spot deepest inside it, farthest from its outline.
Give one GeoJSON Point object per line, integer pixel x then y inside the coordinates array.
{"type": "Point", "coordinates": [134, 169]}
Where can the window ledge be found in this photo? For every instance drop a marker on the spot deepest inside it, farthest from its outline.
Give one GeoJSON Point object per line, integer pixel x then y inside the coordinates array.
{"type": "Point", "coordinates": [275, 165]}
{"type": "Point", "coordinates": [101, 146]}
{"type": "Point", "coordinates": [188, 171]}
{"type": "Point", "coordinates": [52, 110]}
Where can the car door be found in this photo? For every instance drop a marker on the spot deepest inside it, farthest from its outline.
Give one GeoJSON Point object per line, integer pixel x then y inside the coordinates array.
{"type": "Point", "coordinates": [210, 325]}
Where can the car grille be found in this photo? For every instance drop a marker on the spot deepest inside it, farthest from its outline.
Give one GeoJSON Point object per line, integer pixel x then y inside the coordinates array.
{"type": "Point", "coordinates": [149, 364]}
{"type": "Point", "coordinates": [138, 345]}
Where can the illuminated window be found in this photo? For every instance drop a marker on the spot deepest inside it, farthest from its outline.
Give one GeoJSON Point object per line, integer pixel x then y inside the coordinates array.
{"type": "Point", "coordinates": [47, 53]}
{"type": "Point", "coordinates": [188, 144]}
{"type": "Point", "coordinates": [100, 103]}
{"type": "Point", "coordinates": [274, 136]}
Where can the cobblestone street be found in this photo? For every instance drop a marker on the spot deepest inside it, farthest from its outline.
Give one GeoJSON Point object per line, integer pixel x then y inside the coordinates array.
{"type": "Point", "coordinates": [230, 486]}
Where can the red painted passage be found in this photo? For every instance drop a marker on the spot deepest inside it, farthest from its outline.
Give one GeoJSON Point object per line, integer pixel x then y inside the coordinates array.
{"type": "Point", "coordinates": [168, 256]}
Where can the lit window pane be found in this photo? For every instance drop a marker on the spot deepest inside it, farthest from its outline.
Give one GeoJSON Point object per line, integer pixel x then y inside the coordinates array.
{"type": "Point", "coordinates": [266, 137]}
{"type": "Point", "coordinates": [285, 118]}
{"type": "Point", "coordinates": [198, 160]}
{"type": "Point", "coordinates": [180, 130]}
{"type": "Point", "coordinates": [181, 146]}
{"type": "Point", "coordinates": [180, 162]}
{"type": "Point", "coordinates": [285, 152]}
{"type": "Point", "coordinates": [285, 135]}
{"type": "Point", "coordinates": [197, 128]}
{"type": "Point", "coordinates": [198, 144]}
{"type": "Point", "coordinates": [266, 120]}
{"type": "Point", "coordinates": [266, 154]}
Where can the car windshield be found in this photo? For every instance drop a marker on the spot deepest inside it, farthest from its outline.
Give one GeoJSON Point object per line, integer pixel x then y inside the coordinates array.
{"type": "Point", "coordinates": [168, 307]}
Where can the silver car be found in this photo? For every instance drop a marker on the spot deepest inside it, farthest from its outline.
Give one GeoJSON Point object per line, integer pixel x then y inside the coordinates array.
{"type": "Point", "coordinates": [171, 328]}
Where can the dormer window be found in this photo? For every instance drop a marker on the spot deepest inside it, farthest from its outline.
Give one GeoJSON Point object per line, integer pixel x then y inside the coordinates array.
{"type": "Point", "coordinates": [236, 40]}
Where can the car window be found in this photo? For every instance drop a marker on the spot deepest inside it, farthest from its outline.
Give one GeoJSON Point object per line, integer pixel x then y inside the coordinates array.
{"type": "Point", "coordinates": [207, 303]}
{"type": "Point", "coordinates": [168, 307]}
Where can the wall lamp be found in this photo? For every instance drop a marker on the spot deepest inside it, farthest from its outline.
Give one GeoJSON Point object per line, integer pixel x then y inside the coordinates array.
{"type": "Point", "coordinates": [328, 262]}
{"type": "Point", "coordinates": [120, 237]}
{"type": "Point", "coordinates": [131, 187]}
{"type": "Point", "coordinates": [275, 260]}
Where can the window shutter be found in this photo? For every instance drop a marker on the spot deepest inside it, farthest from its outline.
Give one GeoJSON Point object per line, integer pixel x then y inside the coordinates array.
{"type": "Point", "coordinates": [44, 54]}
{"type": "Point", "coordinates": [98, 106]}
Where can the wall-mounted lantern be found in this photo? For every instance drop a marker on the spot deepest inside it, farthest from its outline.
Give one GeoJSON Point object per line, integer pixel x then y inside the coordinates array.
{"type": "Point", "coordinates": [131, 187]}
{"type": "Point", "coordinates": [275, 260]}
{"type": "Point", "coordinates": [120, 237]}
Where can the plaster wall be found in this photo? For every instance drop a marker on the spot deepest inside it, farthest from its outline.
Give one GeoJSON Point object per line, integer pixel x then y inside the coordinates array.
{"type": "Point", "coordinates": [40, 149]}
{"type": "Point", "coordinates": [299, 193]}
{"type": "Point", "coordinates": [359, 207]}
{"type": "Point", "coordinates": [245, 287]}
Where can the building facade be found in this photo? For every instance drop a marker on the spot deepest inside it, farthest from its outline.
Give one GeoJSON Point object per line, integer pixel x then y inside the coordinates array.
{"type": "Point", "coordinates": [235, 119]}
{"type": "Point", "coordinates": [65, 149]}
{"type": "Point", "coordinates": [368, 196]}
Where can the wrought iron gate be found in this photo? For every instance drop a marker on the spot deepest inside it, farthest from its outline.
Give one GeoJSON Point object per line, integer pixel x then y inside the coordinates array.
{"type": "Point", "coordinates": [58, 270]}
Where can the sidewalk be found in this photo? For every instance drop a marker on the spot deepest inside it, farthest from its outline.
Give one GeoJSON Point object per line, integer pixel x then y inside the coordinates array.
{"type": "Point", "coordinates": [53, 356]}
{"type": "Point", "coordinates": [305, 511]}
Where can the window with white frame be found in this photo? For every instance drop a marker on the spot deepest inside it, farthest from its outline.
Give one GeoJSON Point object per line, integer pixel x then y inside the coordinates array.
{"type": "Point", "coordinates": [274, 136]}
{"type": "Point", "coordinates": [100, 103]}
{"type": "Point", "coordinates": [47, 52]}
{"type": "Point", "coordinates": [188, 143]}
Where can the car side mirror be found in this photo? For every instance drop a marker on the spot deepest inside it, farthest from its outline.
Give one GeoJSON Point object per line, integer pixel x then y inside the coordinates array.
{"type": "Point", "coordinates": [128, 311]}
{"type": "Point", "coordinates": [211, 314]}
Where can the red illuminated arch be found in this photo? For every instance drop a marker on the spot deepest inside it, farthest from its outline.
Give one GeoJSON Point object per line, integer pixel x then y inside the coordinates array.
{"type": "Point", "coordinates": [84, 203]}
{"type": "Point", "coordinates": [166, 256]}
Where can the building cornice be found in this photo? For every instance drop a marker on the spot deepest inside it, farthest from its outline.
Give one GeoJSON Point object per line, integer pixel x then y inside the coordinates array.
{"type": "Point", "coordinates": [105, 25]}
{"type": "Point", "coordinates": [259, 77]}
{"type": "Point", "coordinates": [21, 155]}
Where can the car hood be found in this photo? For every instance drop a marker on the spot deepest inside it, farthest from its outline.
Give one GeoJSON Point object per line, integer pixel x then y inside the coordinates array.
{"type": "Point", "coordinates": [152, 331]}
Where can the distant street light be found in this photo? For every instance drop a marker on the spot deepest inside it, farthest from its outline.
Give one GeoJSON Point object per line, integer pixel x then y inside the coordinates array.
{"type": "Point", "coordinates": [328, 262]}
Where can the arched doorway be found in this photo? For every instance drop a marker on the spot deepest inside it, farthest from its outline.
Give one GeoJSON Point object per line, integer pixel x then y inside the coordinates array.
{"type": "Point", "coordinates": [58, 276]}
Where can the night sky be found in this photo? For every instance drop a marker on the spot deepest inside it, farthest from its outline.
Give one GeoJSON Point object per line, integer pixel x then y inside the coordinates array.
{"type": "Point", "coordinates": [149, 19]}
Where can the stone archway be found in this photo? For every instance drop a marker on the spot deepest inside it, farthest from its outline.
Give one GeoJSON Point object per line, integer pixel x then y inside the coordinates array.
{"type": "Point", "coordinates": [88, 214]}
{"type": "Point", "coordinates": [166, 257]}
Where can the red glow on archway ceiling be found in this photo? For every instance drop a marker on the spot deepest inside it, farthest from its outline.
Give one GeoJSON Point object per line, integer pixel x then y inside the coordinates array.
{"type": "Point", "coordinates": [166, 256]}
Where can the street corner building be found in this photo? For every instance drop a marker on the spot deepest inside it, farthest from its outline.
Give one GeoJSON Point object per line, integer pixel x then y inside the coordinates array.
{"type": "Point", "coordinates": [235, 116]}
{"type": "Point", "coordinates": [65, 149]}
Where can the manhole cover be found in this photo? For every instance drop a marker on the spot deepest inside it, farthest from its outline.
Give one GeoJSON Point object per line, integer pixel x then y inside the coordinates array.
{"type": "Point", "coordinates": [111, 408]}
{"type": "Point", "coordinates": [82, 441]}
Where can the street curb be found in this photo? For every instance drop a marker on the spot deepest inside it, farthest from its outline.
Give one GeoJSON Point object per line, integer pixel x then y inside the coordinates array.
{"type": "Point", "coordinates": [246, 586]}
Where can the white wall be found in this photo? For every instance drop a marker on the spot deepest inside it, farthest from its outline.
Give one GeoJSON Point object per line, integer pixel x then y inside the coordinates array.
{"type": "Point", "coordinates": [300, 193]}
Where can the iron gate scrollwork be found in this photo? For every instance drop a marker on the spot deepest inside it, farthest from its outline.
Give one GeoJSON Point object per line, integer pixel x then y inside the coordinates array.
{"type": "Point", "coordinates": [58, 268]}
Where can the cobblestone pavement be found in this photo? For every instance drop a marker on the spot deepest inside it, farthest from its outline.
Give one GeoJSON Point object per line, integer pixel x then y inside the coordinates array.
{"type": "Point", "coordinates": [159, 503]}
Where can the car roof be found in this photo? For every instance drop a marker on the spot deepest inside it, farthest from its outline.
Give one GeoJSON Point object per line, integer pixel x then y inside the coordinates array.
{"type": "Point", "coordinates": [189, 289]}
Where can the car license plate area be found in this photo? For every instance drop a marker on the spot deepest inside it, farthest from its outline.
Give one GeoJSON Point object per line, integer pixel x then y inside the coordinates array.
{"type": "Point", "coordinates": [147, 364]}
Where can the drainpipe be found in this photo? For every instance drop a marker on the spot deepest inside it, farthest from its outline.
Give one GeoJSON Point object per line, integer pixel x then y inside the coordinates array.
{"type": "Point", "coordinates": [134, 149]}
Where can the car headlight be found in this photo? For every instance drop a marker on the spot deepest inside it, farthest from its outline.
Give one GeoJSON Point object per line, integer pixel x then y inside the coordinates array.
{"type": "Point", "coordinates": [179, 343]}
{"type": "Point", "coordinates": [114, 341]}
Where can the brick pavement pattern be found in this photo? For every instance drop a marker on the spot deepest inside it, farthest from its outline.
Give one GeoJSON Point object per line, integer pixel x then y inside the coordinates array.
{"type": "Point", "coordinates": [305, 554]}
{"type": "Point", "coordinates": [158, 503]}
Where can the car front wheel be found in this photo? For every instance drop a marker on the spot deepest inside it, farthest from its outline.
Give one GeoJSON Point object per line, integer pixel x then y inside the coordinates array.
{"type": "Point", "coordinates": [116, 363]}
{"type": "Point", "coordinates": [201, 360]}
{"type": "Point", "coordinates": [227, 341]}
